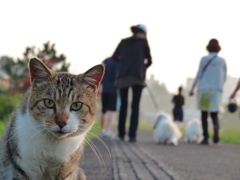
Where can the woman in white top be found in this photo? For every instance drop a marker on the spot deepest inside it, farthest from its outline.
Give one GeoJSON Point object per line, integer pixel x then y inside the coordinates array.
{"type": "Point", "coordinates": [210, 79]}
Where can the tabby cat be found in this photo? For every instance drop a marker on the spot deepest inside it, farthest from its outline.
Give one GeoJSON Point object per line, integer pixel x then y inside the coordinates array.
{"type": "Point", "coordinates": [44, 137]}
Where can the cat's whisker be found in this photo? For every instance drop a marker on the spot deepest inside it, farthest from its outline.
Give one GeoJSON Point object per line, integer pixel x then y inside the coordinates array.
{"type": "Point", "coordinates": [96, 127]}
{"type": "Point", "coordinates": [28, 140]}
{"type": "Point", "coordinates": [96, 152]}
{"type": "Point", "coordinates": [104, 144]}
{"type": "Point", "coordinates": [34, 152]}
{"type": "Point", "coordinates": [76, 133]}
{"type": "Point", "coordinates": [15, 135]}
{"type": "Point", "coordinates": [9, 140]}
{"type": "Point", "coordinates": [93, 149]}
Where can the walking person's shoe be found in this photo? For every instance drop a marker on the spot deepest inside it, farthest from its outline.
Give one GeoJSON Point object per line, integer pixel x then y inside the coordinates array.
{"type": "Point", "coordinates": [108, 134]}
{"type": "Point", "coordinates": [121, 138]}
{"type": "Point", "coordinates": [215, 136]}
{"type": "Point", "coordinates": [102, 134]}
{"type": "Point", "coordinates": [204, 142]}
{"type": "Point", "coordinates": [132, 139]}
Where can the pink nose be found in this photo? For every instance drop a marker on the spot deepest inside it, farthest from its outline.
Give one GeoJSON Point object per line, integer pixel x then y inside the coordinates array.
{"type": "Point", "coordinates": [61, 124]}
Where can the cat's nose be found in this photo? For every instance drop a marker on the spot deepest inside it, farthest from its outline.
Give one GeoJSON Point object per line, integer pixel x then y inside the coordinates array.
{"type": "Point", "coordinates": [61, 124]}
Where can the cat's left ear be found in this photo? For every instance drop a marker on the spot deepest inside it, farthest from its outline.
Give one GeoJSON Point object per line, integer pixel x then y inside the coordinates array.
{"type": "Point", "coordinates": [39, 71]}
{"type": "Point", "coordinates": [94, 76]}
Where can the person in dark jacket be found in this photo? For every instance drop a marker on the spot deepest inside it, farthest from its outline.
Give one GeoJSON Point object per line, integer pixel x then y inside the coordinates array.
{"type": "Point", "coordinates": [133, 57]}
{"type": "Point", "coordinates": [178, 101]}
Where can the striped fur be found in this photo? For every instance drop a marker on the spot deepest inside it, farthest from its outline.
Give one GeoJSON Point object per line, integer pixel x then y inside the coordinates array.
{"type": "Point", "coordinates": [46, 143]}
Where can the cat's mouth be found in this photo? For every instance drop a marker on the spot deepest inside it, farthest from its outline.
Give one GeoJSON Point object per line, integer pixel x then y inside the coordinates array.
{"type": "Point", "coordinates": [61, 133]}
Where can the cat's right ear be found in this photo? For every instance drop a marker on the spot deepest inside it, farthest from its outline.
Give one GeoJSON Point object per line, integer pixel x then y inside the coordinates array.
{"type": "Point", "coordinates": [39, 71]}
{"type": "Point", "coordinates": [93, 76]}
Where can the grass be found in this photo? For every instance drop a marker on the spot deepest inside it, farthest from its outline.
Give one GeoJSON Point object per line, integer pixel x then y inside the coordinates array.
{"type": "Point", "coordinates": [230, 135]}
{"type": "Point", "coordinates": [145, 126]}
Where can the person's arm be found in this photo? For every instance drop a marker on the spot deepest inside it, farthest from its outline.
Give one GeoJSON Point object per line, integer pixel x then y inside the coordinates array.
{"type": "Point", "coordinates": [116, 54]}
{"type": "Point", "coordinates": [235, 90]}
{"type": "Point", "coordinates": [191, 93]}
{"type": "Point", "coordinates": [173, 99]}
{"type": "Point", "coordinates": [198, 77]}
{"type": "Point", "coordinates": [224, 69]}
{"type": "Point", "coordinates": [148, 56]}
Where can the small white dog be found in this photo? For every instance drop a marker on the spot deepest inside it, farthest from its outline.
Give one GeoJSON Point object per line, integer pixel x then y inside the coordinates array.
{"type": "Point", "coordinates": [194, 131]}
{"type": "Point", "coordinates": [165, 130]}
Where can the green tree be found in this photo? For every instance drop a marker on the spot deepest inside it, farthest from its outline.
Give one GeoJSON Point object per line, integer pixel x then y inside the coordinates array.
{"type": "Point", "coordinates": [18, 69]}
{"type": "Point", "coordinates": [49, 56]}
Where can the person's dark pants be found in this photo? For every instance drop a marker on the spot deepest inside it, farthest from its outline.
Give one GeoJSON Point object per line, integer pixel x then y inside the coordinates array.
{"type": "Point", "coordinates": [178, 114]}
{"type": "Point", "coordinates": [136, 95]}
{"type": "Point", "coordinates": [109, 101]}
{"type": "Point", "coordinates": [215, 121]}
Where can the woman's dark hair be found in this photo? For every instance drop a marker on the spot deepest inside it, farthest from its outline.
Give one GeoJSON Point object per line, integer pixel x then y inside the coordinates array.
{"type": "Point", "coordinates": [213, 46]}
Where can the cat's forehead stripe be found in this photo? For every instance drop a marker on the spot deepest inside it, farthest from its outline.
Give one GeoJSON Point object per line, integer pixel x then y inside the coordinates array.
{"type": "Point", "coordinates": [65, 84]}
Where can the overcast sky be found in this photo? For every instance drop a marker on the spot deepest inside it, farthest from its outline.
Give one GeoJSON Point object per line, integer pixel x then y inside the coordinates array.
{"type": "Point", "coordinates": [87, 32]}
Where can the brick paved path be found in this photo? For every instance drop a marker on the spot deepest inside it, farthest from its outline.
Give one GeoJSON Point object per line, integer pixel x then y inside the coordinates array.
{"type": "Point", "coordinates": [146, 160]}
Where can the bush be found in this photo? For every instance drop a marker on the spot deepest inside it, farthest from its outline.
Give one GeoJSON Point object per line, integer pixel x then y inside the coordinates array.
{"type": "Point", "coordinates": [8, 104]}
{"type": "Point", "coordinates": [2, 126]}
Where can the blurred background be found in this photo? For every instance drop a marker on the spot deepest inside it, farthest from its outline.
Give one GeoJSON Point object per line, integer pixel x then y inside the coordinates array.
{"type": "Point", "coordinates": [75, 35]}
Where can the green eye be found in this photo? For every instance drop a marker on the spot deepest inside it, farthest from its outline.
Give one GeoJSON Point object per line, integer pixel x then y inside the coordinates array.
{"type": "Point", "coordinates": [49, 103]}
{"type": "Point", "coordinates": [76, 106]}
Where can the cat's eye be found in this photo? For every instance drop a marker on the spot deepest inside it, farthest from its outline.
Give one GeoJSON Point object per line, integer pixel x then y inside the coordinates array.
{"type": "Point", "coordinates": [76, 106]}
{"type": "Point", "coordinates": [49, 103]}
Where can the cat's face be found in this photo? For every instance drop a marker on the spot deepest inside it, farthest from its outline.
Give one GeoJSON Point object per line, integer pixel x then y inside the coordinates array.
{"type": "Point", "coordinates": [61, 103]}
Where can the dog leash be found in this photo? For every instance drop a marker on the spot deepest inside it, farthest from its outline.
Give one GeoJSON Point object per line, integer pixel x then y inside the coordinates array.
{"type": "Point", "coordinates": [153, 100]}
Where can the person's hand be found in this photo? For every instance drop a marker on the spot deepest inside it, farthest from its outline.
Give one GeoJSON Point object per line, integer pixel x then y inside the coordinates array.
{"type": "Point", "coordinates": [191, 93]}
